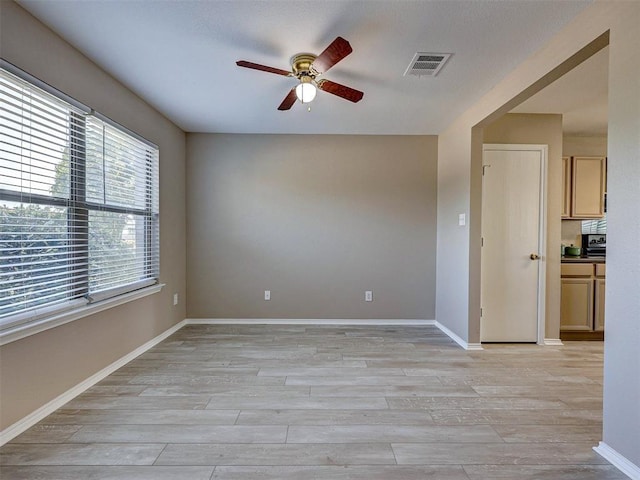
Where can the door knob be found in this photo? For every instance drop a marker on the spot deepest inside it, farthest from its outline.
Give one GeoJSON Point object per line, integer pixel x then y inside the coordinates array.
{"type": "Point", "coordinates": [534, 256]}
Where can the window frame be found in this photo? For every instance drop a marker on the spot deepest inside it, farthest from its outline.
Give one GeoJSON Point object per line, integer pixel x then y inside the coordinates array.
{"type": "Point", "coordinates": [82, 302]}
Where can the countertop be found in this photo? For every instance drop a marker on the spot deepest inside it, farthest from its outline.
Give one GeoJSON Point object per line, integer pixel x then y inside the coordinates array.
{"type": "Point", "coordinates": [582, 259]}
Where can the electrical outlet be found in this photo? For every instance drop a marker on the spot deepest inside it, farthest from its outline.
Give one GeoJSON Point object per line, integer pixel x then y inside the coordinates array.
{"type": "Point", "coordinates": [175, 298]}
{"type": "Point", "coordinates": [462, 219]}
{"type": "Point", "coordinates": [368, 296]}
{"type": "Point", "coordinates": [267, 294]}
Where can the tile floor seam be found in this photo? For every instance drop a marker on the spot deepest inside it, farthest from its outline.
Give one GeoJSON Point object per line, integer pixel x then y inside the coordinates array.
{"type": "Point", "coordinates": [163, 449]}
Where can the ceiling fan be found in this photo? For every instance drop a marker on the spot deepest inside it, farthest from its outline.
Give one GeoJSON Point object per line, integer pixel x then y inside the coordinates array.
{"type": "Point", "coordinates": [306, 67]}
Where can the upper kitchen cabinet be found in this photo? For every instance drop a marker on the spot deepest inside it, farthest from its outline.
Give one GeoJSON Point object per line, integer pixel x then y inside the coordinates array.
{"type": "Point", "coordinates": [584, 182]}
{"type": "Point", "coordinates": [588, 185]}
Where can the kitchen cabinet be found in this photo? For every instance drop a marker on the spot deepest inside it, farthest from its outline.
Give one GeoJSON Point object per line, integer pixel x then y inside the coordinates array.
{"type": "Point", "coordinates": [576, 311]}
{"type": "Point", "coordinates": [566, 187]}
{"type": "Point", "coordinates": [582, 301]}
{"type": "Point", "coordinates": [588, 186]}
{"type": "Point", "coordinates": [584, 183]}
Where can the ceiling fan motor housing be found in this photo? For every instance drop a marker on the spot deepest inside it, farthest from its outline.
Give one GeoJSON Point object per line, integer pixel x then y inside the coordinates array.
{"type": "Point", "coordinates": [301, 65]}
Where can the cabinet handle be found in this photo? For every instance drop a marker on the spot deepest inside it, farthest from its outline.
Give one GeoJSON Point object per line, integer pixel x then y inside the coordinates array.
{"type": "Point", "coordinates": [534, 256]}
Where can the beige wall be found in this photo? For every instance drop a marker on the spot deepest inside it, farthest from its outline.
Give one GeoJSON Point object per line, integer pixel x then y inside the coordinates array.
{"type": "Point", "coordinates": [453, 278]}
{"type": "Point", "coordinates": [315, 219]}
{"type": "Point", "coordinates": [541, 130]}
{"type": "Point", "coordinates": [459, 167]}
{"type": "Point", "coordinates": [571, 233]}
{"type": "Point", "coordinates": [38, 368]}
{"type": "Point", "coordinates": [586, 146]}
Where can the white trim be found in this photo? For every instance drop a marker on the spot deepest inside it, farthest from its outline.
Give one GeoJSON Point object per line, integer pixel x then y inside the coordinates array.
{"type": "Point", "coordinates": [619, 461]}
{"type": "Point", "coordinates": [542, 242]}
{"type": "Point", "coordinates": [553, 342]}
{"type": "Point", "coordinates": [103, 295]}
{"type": "Point", "coordinates": [453, 336]}
{"type": "Point", "coordinates": [34, 417]}
{"type": "Point", "coordinates": [26, 329]}
{"type": "Point", "coordinates": [307, 321]}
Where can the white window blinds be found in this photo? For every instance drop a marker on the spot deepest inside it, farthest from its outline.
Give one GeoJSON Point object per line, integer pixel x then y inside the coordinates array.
{"type": "Point", "coordinates": [78, 205]}
{"type": "Point", "coordinates": [122, 198]}
{"type": "Point", "coordinates": [595, 226]}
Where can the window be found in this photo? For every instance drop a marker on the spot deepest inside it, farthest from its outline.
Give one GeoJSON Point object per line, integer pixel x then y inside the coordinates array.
{"type": "Point", "coordinates": [78, 205]}
{"type": "Point", "coordinates": [595, 226]}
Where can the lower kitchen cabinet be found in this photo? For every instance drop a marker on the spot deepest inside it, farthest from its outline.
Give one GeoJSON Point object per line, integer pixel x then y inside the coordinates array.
{"type": "Point", "coordinates": [576, 307]}
{"type": "Point", "coordinates": [582, 301]}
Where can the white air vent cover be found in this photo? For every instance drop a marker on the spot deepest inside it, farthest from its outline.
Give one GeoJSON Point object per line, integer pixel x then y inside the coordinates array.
{"type": "Point", "coordinates": [428, 64]}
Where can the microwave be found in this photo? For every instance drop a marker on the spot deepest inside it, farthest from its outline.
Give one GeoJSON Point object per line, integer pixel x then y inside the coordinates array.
{"type": "Point", "coordinates": [594, 244]}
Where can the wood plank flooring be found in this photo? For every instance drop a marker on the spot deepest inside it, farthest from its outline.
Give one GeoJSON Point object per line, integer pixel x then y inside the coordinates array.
{"type": "Point", "coordinates": [352, 403]}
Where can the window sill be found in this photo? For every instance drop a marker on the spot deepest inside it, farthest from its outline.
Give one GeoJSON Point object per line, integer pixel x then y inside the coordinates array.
{"type": "Point", "coordinates": [26, 330]}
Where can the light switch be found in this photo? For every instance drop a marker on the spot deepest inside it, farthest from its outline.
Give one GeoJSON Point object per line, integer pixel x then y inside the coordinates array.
{"type": "Point", "coordinates": [462, 219]}
{"type": "Point", "coordinates": [175, 298]}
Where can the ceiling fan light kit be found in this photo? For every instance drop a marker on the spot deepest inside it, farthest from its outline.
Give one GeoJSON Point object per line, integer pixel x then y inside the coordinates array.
{"type": "Point", "coordinates": [306, 67]}
{"type": "Point", "coordinates": [306, 91]}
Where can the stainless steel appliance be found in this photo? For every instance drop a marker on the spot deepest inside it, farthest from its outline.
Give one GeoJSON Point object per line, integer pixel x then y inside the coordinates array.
{"type": "Point", "coordinates": [594, 244]}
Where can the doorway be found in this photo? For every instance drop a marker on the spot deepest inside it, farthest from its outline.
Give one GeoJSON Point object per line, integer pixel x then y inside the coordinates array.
{"type": "Point", "coordinates": [513, 241]}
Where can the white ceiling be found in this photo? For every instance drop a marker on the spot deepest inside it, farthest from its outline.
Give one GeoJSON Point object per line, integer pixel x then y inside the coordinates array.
{"type": "Point", "coordinates": [180, 56]}
{"type": "Point", "coordinates": [580, 96]}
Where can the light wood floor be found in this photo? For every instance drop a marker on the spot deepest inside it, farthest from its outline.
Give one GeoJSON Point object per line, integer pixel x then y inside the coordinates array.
{"type": "Point", "coordinates": [299, 403]}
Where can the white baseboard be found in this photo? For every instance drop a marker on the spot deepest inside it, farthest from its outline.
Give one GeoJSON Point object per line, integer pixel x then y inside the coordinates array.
{"type": "Point", "coordinates": [620, 462]}
{"type": "Point", "coordinates": [34, 417]}
{"type": "Point", "coordinates": [308, 321]}
{"type": "Point", "coordinates": [453, 336]}
{"type": "Point", "coordinates": [553, 342]}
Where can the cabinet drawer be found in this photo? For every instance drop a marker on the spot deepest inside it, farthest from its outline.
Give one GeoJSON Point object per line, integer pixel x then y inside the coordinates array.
{"type": "Point", "coordinates": [601, 269]}
{"type": "Point", "coordinates": [576, 269]}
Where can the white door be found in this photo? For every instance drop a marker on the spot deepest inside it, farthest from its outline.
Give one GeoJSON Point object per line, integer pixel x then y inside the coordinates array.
{"type": "Point", "coordinates": [512, 290]}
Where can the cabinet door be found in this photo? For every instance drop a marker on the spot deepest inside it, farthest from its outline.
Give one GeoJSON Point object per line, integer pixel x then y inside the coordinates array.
{"type": "Point", "coordinates": [566, 187]}
{"type": "Point", "coordinates": [588, 176]}
{"type": "Point", "coordinates": [599, 320]}
{"type": "Point", "coordinates": [576, 307]}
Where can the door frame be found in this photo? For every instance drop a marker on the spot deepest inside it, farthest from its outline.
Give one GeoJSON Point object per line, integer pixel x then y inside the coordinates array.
{"type": "Point", "coordinates": [542, 231]}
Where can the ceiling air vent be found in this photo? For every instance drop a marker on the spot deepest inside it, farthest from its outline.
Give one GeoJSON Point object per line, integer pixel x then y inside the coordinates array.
{"type": "Point", "coordinates": [428, 64]}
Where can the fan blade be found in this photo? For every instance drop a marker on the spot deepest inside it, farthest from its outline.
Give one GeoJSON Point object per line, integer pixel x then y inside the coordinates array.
{"type": "Point", "coordinates": [347, 93]}
{"type": "Point", "coordinates": [263, 68]}
{"type": "Point", "coordinates": [289, 100]}
{"type": "Point", "coordinates": [335, 52]}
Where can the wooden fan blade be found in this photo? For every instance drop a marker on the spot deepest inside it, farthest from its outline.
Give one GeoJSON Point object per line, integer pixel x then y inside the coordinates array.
{"type": "Point", "coordinates": [263, 68]}
{"type": "Point", "coordinates": [289, 100]}
{"type": "Point", "coordinates": [335, 52]}
{"type": "Point", "coordinates": [334, 88]}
